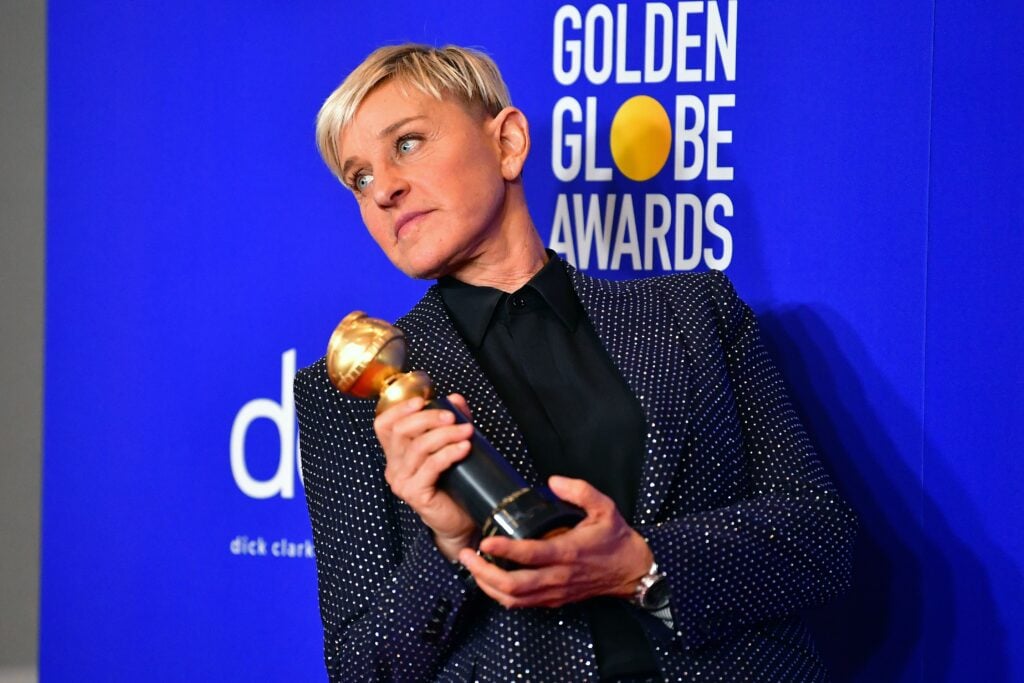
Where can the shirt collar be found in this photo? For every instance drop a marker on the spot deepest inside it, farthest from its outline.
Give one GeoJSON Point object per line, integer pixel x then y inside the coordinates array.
{"type": "Point", "coordinates": [472, 308]}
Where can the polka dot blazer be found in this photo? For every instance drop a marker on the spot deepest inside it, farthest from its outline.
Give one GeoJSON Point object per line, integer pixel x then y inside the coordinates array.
{"type": "Point", "coordinates": [733, 501]}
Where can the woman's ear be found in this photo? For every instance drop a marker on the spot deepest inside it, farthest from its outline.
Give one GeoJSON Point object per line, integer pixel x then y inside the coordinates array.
{"type": "Point", "coordinates": [513, 133]}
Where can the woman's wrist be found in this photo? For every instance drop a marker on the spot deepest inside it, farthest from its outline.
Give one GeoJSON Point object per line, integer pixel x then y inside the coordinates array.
{"type": "Point", "coordinates": [450, 546]}
{"type": "Point", "coordinates": [640, 559]}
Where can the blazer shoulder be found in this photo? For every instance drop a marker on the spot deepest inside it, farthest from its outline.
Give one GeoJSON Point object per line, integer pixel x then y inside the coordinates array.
{"type": "Point", "coordinates": [319, 404]}
{"type": "Point", "coordinates": [695, 298]}
{"type": "Point", "coordinates": [425, 315]}
{"type": "Point", "coordinates": [312, 379]}
{"type": "Point", "coordinates": [711, 284]}
{"type": "Point", "coordinates": [706, 297]}
{"type": "Point", "coordinates": [316, 395]}
{"type": "Point", "coordinates": [685, 290]}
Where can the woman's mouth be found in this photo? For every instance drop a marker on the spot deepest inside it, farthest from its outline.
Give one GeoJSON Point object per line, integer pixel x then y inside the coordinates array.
{"type": "Point", "coordinates": [407, 220]}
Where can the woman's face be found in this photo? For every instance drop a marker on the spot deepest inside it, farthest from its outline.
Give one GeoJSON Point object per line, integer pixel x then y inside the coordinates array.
{"type": "Point", "coordinates": [427, 176]}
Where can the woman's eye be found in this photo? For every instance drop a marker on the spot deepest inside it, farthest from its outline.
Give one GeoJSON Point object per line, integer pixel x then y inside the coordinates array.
{"type": "Point", "coordinates": [407, 145]}
{"type": "Point", "coordinates": [362, 181]}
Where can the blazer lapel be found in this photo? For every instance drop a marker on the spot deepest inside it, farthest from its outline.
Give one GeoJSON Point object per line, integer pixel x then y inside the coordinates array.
{"type": "Point", "coordinates": [436, 348]}
{"type": "Point", "coordinates": [639, 332]}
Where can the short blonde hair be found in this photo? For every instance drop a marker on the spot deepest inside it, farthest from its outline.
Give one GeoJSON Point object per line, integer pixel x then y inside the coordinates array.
{"type": "Point", "coordinates": [465, 74]}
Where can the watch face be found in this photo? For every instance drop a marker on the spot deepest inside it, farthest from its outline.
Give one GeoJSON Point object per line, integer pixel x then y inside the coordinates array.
{"type": "Point", "coordinates": [657, 595]}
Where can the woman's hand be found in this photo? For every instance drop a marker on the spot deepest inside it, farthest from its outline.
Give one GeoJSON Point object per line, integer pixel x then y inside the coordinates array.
{"type": "Point", "coordinates": [419, 445]}
{"type": "Point", "coordinates": [602, 555]}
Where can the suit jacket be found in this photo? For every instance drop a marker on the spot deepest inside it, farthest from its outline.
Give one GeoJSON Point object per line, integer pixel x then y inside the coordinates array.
{"type": "Point", "coordinates": [733, 502]}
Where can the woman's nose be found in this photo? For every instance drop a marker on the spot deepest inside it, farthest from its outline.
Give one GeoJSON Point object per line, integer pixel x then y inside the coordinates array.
{"type": "Point", "coordinates": [389, 185]}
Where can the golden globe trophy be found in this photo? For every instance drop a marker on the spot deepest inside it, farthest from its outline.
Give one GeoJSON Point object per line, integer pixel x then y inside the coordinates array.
{"type": "Point", "coordinates": [366, 358]}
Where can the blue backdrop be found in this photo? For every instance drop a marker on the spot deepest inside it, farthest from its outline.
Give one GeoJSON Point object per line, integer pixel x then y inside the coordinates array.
{"type": "Point", "coordinates": [853, 166]}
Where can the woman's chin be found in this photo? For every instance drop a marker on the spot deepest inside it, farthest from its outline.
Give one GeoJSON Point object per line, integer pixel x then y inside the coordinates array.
{"type": "Point", "coordinates": [423, 270]}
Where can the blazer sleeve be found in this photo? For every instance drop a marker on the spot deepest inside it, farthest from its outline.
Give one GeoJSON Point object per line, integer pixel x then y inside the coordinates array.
{"type": "Point", "coordinates": [783, 539]}
{"type": "Point", "coordinates": [389, 601]}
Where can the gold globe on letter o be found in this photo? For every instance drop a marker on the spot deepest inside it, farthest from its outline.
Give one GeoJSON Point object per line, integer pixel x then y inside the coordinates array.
{"type": "Point", "coordinates": [641, 137]}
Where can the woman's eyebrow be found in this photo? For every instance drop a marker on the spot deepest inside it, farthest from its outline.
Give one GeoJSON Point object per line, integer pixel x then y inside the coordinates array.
{"type": "Point", "coordinates": [398, 124]}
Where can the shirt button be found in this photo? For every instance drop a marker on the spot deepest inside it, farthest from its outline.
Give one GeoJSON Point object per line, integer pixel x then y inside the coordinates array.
{"type": "Point", "coordinates": [518, 301]}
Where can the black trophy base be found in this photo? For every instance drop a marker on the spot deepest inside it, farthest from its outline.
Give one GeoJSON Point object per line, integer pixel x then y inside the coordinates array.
{"type": "Point", "coordinates": [532, 514]}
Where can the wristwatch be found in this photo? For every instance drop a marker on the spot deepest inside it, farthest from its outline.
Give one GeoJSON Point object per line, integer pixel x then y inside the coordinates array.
{"type": "Point", "coordinates": [652, 591]}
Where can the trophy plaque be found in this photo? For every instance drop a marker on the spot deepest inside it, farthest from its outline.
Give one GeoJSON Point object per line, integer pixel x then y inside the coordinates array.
{"type": "Point", "coordinates": [366, 359]}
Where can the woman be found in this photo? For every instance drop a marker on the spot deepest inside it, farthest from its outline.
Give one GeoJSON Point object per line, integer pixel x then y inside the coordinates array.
{"type": "Point", "coordinates": [650, 404]}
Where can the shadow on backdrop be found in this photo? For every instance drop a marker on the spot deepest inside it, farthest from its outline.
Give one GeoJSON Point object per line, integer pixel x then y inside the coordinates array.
{"type": "Point", "coordinates": [901, 619]}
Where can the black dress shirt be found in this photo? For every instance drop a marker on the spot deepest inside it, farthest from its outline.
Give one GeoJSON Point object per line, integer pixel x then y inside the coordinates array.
{"type": "Point", "coordinates": [576, 414]}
